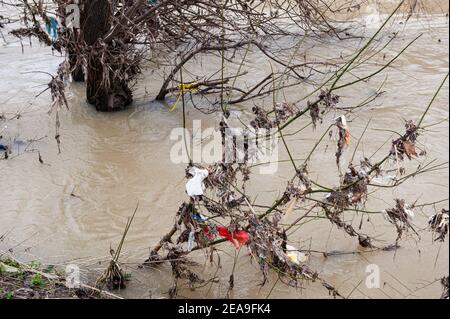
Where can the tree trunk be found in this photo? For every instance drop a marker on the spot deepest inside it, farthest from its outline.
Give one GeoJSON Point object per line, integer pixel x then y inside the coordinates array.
{"type": "Point", "coordinates": [75, 36]}
{"type": "Point", "coordinates": [117, 94]}
{"type": "Point", "coordinates": [75, 65]}
{"type": "Point", "coordinates": [77, 73]}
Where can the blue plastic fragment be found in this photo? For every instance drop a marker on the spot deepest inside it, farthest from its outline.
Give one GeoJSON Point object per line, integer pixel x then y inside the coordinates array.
{"type": "Point", "coordinates": [199, 217]}
{"type": "Point", "coordinates": [52, 28]}
{"type": "Point", "coordinates": [191, 240]}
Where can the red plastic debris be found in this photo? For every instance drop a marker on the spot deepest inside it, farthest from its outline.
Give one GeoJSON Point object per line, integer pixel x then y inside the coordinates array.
{"type": "Point", "coordinates": [238, 238]}
{"type": "Point", "coordinates": [224, 232]}
{"type": "Point", "coordinates": [207, 232]}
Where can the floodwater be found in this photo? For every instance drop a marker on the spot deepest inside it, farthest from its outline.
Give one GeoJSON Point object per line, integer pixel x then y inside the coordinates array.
{"type": "Point", "coordinates": [74, 206]}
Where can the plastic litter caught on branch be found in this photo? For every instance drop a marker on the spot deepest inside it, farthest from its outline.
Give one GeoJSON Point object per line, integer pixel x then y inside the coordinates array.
{"type": "Point", "coordinates": [195, 186]}
{"type": "Point", "coordinates": [191, 239]}
{"type": "Point", "coordinates": [199, 218]}
{"type": "Point", "coordinates": [238, 238]}
{"type": "Point", "coordinates": [295, 256]}
{"type": "Point", "coordinates": [344, 137]}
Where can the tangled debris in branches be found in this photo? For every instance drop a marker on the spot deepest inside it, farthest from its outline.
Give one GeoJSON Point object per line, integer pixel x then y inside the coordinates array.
{"type": "Point", "coordinates": [352, 191]}
{"type": "Point", "coordinates": [180, 266]}
{"type": "Point", "coordinates": [343, 139]}
{"type": "Point", "coordinates": [268, 245]}
{"type": "Point", "coordinates": [198, 228]}
{"type": "Point", "coordinates": [401, 216]}
{"type": "Point", "coordinates": [334, 216]}
{"type": "Point", "coordinates": [439, 225]}
{"type": "Point", "coordinates": [262, 120]}
{"type": "Point", "coordinates": [445, 288]}
{"type": "Point", "coordinates": [354, 187]}
{"type": "Point", "coordinates": [116, 38]}
{"type": "Point", "coordinates": [224, 213]}
{"type": "Point", "coordinates": [38, 33]}
{"type": "Point", "coordinates": [406, 144]}
{"type": "Point", "coordinates": [326, 99]}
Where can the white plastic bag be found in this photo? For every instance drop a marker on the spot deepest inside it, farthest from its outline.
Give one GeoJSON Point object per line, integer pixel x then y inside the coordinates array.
{"type": "Point", "coordinates": [295, 256]}
{"type": "Point", "coordinates": [195, 186]}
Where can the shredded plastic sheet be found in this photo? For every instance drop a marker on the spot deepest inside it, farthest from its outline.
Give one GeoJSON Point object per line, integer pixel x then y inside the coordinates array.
{"type": "Point", "coordinates": [195, 186]}
{"type": "Point", "coordinates": [409, 212]}
{"type": "Point", "coordinates": [342, 123]}
{"type": "Point", "coordinates": [439, 225]}
{"type": "Point", "coordinates": [191, 240]}
{"type": "Point", "coordinates": [52, 28]}
{"type": "Point", "coordinates": [384, 179]}
{"type": "Point", "coordinates": [199, 218]}
{"type": "Point", "coordinates": [238, 238]}
{"type": "Point", "coordinates": [295, 256]}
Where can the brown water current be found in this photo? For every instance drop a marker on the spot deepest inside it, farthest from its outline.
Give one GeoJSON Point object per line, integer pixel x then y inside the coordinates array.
{"type": "Point", "coordinates": [74, 206]}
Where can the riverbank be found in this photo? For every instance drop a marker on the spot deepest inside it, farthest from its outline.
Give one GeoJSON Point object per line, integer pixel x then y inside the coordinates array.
{"type": "Point", "coordinates": [35, 281]}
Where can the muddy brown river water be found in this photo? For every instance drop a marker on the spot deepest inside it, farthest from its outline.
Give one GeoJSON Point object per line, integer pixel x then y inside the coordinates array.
{"type": "Point", "coordinates": [112, 161]}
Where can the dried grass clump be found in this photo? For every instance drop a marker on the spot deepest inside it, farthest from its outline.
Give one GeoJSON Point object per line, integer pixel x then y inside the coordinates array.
{"type": "Point", "coordinates": [113, 277]}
